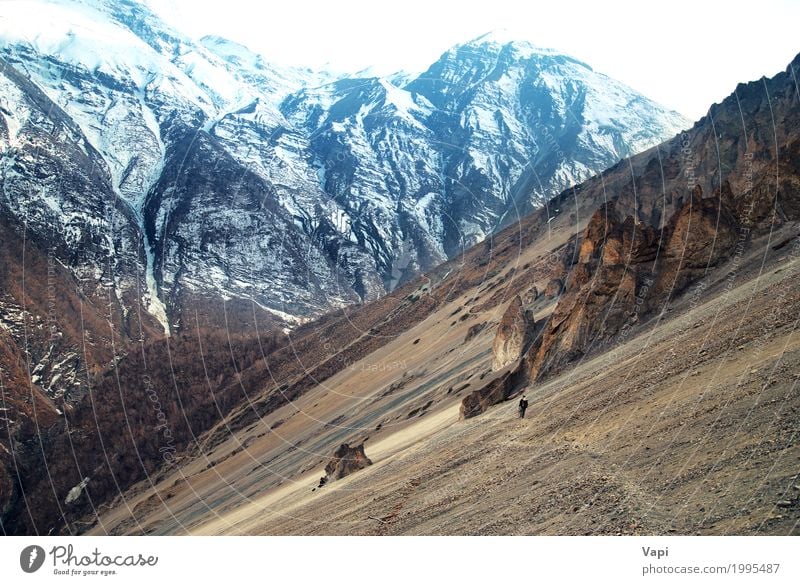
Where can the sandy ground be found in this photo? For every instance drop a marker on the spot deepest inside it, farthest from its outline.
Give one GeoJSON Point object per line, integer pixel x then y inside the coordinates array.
{"type": "Point", "coordinates": [689, 426]}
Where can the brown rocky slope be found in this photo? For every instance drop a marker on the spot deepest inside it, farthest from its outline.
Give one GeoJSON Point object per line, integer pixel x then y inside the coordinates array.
{"type": "Point", "coordinates": [732, 177]}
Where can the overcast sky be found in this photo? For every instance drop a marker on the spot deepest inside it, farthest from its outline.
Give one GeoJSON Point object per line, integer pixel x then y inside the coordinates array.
{"type": "Point", "coordinates": [684, 54]}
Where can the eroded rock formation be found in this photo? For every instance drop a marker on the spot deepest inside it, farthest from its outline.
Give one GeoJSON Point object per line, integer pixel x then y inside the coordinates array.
{"type": "Point", "coordinates": [513, 334]}
{"type": "Point", "coordinates": [346, 460]}
{"type": "Point", "coordinates": [628, 269]}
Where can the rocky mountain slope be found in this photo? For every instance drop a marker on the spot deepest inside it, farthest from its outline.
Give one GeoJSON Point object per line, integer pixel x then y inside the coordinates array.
{"type": "Point", "coordinates": [489, 132]}
{"type": "Point", "coordinates": [700, 227]}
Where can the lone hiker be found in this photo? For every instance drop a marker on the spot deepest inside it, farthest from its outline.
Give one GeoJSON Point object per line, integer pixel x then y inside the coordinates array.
{"type": "Point", "coordinates": [523, 406]}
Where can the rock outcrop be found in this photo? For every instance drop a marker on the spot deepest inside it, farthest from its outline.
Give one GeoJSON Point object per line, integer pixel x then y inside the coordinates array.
{"type": "Point", "coordinates": [553, 288]}
{"type": "Point", "coordinates": [495, 392]}
{"type": "Point", "coordinates": [627, 269]}
{"type": "Point", "coordinates": [601, 289]}
{"type": "Point", "coordinates": [700, 235]}
{"type": "Point", "coordinates": [513, 334]}
{"type": "Point", "coordinates": [346, 460]}
{"type": "Point", "coordinates": [474, 330]}
{"type": "Point", "coordinates": [530, 295]}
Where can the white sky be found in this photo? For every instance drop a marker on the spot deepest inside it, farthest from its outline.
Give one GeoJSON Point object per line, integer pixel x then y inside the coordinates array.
{"type": "Point", "coordinates": [684, 54]}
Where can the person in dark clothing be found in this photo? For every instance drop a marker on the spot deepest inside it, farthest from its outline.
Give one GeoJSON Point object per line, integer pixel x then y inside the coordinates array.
{"type": "Point", "coordinates": [523, 406]}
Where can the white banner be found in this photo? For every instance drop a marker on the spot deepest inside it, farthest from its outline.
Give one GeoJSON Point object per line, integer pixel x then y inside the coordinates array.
{"type": "Point", "coordinates": [380, 560]}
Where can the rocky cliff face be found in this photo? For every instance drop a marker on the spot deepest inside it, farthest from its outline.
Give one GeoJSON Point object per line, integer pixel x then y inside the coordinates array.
{"type": "Point", "coordinates": [513, 334]}
{"type": "Point", "coordinates": [658, 232]}
{"type": "Point", "coordinates": [627, 270]}
{"type": "Point", "coordinates": [637, 254]}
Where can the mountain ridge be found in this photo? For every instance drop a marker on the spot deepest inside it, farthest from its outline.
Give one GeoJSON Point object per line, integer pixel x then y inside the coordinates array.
{"type": "Point", "coordinates": [140, 97]}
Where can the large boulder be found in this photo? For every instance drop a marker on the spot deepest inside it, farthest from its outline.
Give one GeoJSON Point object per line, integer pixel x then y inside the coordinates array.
{"type": "Point", "coordinates": [495, 392]}
{"type": "Point", "coordinates": [474, 330]}
{"type": "Point", "coordinates": [513, 334]}
{"type": "Point", "coordinates": [530, 296]}
{"type": "Point", "coordinates": [346, 460]}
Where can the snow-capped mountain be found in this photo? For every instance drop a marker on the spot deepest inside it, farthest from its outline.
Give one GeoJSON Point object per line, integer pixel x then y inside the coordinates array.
{"type": "Point", "coordinates": [177, 171]}
{"type": "Point", "coordinates": [527, 122]}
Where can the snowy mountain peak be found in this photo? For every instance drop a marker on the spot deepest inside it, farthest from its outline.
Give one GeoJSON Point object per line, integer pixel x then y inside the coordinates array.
{"type": "Point", "coordinates": [503, 40]}
{"type": "Point", "coordinates": [503, 37]}
{"type": "Point", "coordinates": [233, 52]}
